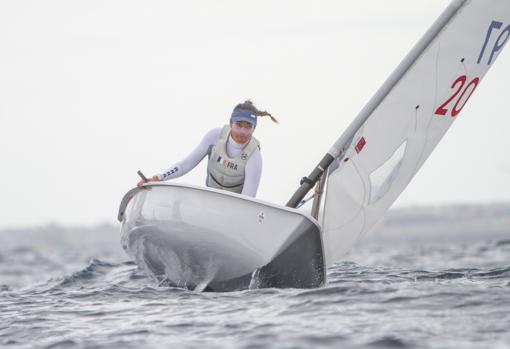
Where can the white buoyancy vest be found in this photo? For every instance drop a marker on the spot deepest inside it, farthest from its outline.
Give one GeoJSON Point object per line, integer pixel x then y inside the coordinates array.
{"type": "Point", "coordinates": [224, 172]}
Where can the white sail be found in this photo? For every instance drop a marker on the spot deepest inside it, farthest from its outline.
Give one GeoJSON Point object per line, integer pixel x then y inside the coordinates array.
{"type": "Point", "coordinates": [395, 133]}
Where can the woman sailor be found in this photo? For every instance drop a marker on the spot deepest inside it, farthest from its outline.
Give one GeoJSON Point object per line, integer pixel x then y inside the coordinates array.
{"type": "Point", "coordinates": [235, 163]}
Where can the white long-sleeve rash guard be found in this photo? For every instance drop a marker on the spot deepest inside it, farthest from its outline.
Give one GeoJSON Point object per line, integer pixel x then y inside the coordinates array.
{"type": "Point", "coordinates": [253, 169]}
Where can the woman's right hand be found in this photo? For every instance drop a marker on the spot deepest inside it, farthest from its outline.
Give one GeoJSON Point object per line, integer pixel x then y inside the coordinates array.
{"type": "Point", "coordinates": [153, 179]}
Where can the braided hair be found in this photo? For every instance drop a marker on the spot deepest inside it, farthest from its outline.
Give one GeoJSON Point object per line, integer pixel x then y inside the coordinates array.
{"type": "Point", "coordinates": [248, 105]}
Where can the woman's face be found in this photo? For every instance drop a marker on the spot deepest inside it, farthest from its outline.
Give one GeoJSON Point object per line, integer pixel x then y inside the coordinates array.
{"type": "Point", "coordinates": [241, 131]}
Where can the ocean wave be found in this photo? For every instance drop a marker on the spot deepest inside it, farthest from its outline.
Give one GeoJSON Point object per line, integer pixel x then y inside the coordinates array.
{"type": "Point", "coordinates": [347, 272]}
{"type": "Point", "coordinates": [102, 279]}
{"type": "Point", "coordinates": [93, 270]}
{"type": "Point", "coordinates": [503, 243]}
{"type": "Point", "coordinates": [388, 342]}
{"type": "Point", "coordinates": [361, 307]}
{"type": "Point", "coordinates": [66, 343]}
{"type": "Point", "coordinates": [496, 273]}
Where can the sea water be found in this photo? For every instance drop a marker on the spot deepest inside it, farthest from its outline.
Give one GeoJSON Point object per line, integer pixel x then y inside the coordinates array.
{"type": "Point", "coordinates": [75, 288]}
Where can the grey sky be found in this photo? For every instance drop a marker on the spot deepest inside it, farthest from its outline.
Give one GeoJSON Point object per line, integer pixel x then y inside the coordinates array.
{"type": "Point", "coordinates": [92, 91]}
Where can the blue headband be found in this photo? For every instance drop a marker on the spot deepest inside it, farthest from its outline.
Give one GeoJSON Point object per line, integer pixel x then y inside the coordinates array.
{"type": "Point", "coordinates": [244, 115]}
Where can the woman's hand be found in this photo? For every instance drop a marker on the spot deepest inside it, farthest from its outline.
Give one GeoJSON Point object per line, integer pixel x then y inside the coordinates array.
{"type": "Point", "coordinates": [153, 179]}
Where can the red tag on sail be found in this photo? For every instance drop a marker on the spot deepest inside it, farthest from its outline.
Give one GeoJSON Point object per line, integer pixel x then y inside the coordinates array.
{"type": "Point", "coordinates": [360, 145]}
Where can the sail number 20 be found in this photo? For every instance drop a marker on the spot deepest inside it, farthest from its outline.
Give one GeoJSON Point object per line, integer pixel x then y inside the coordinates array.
{"type": "Point", "coordinates": [466, 89]}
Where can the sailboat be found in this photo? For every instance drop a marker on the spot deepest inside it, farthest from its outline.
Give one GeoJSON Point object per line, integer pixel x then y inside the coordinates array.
{"type": "Point", "coordinates": [206, 239]}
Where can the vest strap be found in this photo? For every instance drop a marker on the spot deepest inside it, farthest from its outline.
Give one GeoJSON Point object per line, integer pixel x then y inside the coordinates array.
{"type": "Point", "coordinates": [224, 186]}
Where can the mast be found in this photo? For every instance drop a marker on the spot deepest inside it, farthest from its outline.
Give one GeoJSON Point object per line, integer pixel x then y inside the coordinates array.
{"type": "Point", "coordinates": [307, 183]}
{"type": "Point", "coordinates": [340, 147]}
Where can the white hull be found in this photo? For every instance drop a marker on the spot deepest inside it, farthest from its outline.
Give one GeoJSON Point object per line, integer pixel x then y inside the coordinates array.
{"type": "Point", "coordinates": [209, 239]}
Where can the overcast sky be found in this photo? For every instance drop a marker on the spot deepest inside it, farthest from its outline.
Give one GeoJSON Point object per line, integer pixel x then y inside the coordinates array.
{"type": "Point", "coordinates": [91, 91]}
